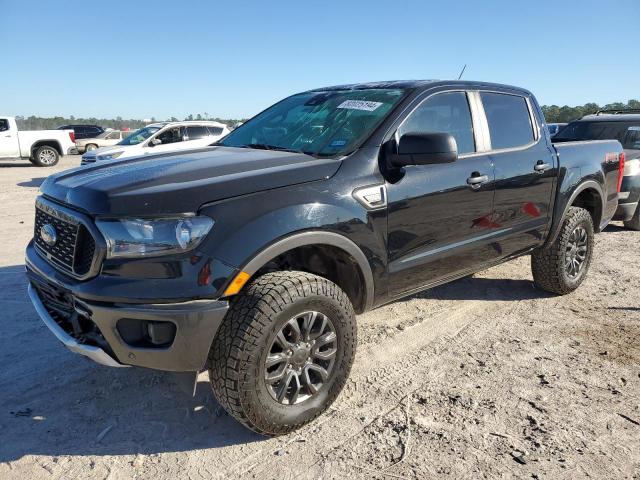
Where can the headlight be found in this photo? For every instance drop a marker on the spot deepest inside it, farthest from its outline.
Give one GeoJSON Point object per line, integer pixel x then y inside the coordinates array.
{"type": "Point", "coordinates": [134, 237]}
{"type": "Point", "coordinates": [109, 156]}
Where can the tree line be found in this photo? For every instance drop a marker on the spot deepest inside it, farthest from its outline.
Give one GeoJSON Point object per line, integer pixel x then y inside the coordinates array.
{"type": "Point", "coordinates": [552, 113]}
{"type": "Point", "coordinates": [47, 123]}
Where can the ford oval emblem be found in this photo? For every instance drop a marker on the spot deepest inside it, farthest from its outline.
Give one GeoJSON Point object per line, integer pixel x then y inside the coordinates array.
{"type": "Point", "coordinates": [48, 234]}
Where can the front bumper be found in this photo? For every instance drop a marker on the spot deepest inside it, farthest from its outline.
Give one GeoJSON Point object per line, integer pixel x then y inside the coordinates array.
{"type": "Point", "coordinates": [94, 353]}
{"type": "Point", "coordinates": [102, 330]}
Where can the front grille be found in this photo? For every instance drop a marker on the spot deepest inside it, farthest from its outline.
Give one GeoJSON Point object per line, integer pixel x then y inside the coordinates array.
{"type": "Point", "coordinates": [74, 247]}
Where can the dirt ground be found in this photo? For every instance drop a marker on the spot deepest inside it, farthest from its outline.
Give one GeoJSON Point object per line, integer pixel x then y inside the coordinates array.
{"type": "Point", "coordinates": [482, 378]}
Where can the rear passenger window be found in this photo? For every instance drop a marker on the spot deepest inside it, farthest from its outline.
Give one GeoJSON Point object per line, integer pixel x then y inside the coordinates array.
{"type": "Point", "coordinates": [509, 120]}
{"type": "Point", "coordinates": [195, 133]}
{"type": "Point", "coordinates": [443, 113]}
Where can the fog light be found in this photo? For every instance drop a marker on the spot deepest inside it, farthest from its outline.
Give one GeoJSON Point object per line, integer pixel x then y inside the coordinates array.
{"type": "Point", "coordinates": [161, 333]}
{"type": "Point", "coordinates": [146, 333]}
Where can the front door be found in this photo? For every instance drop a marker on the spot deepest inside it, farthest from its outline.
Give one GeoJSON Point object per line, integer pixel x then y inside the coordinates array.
{"type": "Point", "coordinates": [172, 140]}
{"type": "Point", "coordinates": [439, 216]}
{"type": "Point", "coordinates": [9, 146]}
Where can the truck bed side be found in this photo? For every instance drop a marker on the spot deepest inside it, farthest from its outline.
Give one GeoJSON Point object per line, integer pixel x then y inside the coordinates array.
{"type": "Point", "coordinates": [31, 139]}
{"type": "Point", "coordinates": [588, 174]}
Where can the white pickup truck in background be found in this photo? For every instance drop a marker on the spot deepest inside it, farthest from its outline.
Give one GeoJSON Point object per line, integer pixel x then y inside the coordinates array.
{"type": "Point", "coordinates": [42, 147]}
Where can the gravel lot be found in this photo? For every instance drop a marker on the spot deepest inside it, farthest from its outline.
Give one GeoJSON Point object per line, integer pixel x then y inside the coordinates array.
{"type": "Point", "coordinates": [482, 378]}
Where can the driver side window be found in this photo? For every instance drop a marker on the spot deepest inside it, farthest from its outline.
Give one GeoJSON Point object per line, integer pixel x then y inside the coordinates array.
{"type": "Point", "coordinates": [172, 135]}
{"type": "Point", "coordinates": [443, 113]}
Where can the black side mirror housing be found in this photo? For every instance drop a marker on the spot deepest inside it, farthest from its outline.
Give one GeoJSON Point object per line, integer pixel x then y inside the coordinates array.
{"type": "Point", "coordinates": [425, 149]}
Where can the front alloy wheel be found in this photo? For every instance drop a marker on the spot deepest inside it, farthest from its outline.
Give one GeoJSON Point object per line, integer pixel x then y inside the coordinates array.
{"type": "Point", "coordinates": [284, 351]}
{"type": "Point", "coordinates": [301, 358]}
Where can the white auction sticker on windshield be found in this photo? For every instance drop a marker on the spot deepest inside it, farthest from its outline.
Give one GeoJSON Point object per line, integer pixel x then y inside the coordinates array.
{"type": "Point", "coordinates": [360, 105]}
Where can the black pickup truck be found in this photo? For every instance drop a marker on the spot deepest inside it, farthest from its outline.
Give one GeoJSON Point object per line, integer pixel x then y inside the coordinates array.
{"type": "Point", "coordinates": [251, 258]}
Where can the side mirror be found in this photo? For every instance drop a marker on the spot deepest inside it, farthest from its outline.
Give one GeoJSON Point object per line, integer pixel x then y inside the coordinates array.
{"type": "Point", "coordinates": [425, 149]}
{"type": "Point", "coordinates": [154, 142]}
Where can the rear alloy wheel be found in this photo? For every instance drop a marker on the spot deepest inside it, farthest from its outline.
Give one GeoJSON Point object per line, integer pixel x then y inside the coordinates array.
{"type": "Point", "coordinates": [576, 252]}
{"type": "Point", "coordinates": [284, 351]}
{"type": "Point", "coordinates": [562, 266]}
{"type": "Point", "coordinates": [46, 156]}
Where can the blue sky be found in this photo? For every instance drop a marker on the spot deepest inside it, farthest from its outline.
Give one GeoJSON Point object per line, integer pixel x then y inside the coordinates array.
{"type": "Point", "coordinates": [233, 58]}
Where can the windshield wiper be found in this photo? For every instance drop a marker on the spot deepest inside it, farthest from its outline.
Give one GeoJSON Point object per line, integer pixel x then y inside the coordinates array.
{"type": "Point", "coordinates": [266, 146]}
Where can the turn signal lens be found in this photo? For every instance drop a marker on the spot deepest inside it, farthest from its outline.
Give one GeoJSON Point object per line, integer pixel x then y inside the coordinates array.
{"type": "Point", "coordinates": [236, 285]}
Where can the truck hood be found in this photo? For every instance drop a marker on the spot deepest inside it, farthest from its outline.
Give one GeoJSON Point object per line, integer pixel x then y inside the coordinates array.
{"type": "Point", "coordinates": [181, 182]}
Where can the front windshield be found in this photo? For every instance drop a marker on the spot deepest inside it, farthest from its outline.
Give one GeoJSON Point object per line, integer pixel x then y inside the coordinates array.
{"type": "Point", "coordinates": [321, 123]}
{"type": "Point", "coordinates": [139, 136]}
{"type": "Point", "coordinates": [627, 133]}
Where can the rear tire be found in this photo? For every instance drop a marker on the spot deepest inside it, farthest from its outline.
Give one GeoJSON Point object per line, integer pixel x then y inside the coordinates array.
{"type": "Point", "coordinates": [634, 223]}
{"type": "Point", "coordinates": [91, 146]}
{"type": "Point", "coordinates": [46, 156]}
{"type": "Point", "coordinates": [246, 357]}
{"type": "Point", "coordinates": [562, 266]}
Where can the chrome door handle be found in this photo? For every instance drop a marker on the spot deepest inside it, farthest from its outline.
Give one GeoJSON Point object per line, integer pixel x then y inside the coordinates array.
{"type": "Point", "coordinates": [541, 167]}
{"type": "Point", "coordinates": [476, 180]}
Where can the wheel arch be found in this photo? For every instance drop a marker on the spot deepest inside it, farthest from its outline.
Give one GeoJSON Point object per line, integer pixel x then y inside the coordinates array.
{"type": "Point", "coordinates": [587, 195]}
{"type": "Point", "coordinates": [362, 298]}
{"type": "Point", "coordinates": [55, 144]}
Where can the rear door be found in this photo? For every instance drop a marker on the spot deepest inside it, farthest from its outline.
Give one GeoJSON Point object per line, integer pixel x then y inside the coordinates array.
{"type": "Point", "coordinates": [198, 136]}
{"type": "Point", "coordinates": [438, 224]}
{"type": "Point", "coordinates": [525, 170]}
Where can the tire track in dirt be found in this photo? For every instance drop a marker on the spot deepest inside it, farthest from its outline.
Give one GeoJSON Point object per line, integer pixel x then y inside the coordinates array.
{"type": "Point", "coordinates": [384, 373]}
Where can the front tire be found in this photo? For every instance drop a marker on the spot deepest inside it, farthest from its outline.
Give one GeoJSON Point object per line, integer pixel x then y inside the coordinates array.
{"type": "Point", "coordinates": [46, 156]}
{"type": "Point", "coordinates": [90, 147]}
{"type": "Point", "coordinates": [634, 223]}
{"type": "Point", "coordinates": [562, 266]}
{"type": "Point", "coordinates": [283, 352]}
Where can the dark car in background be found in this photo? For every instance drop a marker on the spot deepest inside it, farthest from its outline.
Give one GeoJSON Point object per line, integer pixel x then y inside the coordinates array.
{"type": "Point", "coordinates": [83, 131]}
{"type": "Point", "coordinates": [624, 126]}
{"type": "Point", "coordinates": [554, 128]}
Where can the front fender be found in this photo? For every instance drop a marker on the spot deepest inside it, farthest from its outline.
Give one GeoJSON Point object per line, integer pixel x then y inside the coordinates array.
{"type": "Point", "coordinates": [253, 229]}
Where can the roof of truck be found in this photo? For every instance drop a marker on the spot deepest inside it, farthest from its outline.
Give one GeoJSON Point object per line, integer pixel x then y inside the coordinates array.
{"type": "Point", "coordinates": [416, 84]}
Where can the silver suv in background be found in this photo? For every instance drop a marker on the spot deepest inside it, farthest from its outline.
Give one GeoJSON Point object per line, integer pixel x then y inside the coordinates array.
{"type": "Point", "coordinates": [624, 126]}
{"type": "Point", "coordinates": [164, 137]}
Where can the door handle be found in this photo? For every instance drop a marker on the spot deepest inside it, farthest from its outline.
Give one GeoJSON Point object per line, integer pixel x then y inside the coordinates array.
{"type": "Point", "coordinates": [7, 136]}
{"type": "Point", "coordinates": [541, 167]}
{"type": "Point", "coordinates": [476, 180]}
